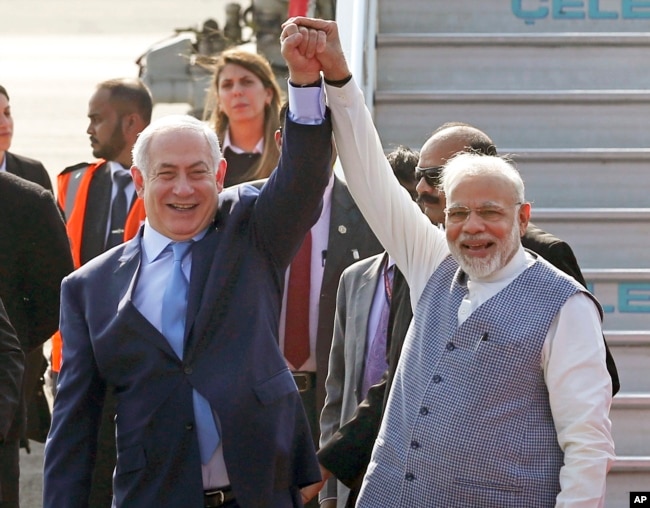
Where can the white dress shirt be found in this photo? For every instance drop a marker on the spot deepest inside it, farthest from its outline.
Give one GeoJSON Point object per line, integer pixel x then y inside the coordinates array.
{"type": "Point", "coordinates": [227, 143]}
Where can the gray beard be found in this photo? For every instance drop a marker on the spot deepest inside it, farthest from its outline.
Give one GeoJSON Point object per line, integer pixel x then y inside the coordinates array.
{"type": "Point", "coordinates": [481, 268]}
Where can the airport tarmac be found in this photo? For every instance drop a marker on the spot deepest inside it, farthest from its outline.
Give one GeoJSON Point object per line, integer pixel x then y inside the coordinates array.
{"type": "Point", "coordinates": [53, 53]}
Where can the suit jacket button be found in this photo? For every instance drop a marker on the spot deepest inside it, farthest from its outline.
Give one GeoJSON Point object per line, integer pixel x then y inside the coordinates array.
{"type": "Point", "coordinates": [187, 370]}
{"type": "Point", "coordinates": [189, 426]}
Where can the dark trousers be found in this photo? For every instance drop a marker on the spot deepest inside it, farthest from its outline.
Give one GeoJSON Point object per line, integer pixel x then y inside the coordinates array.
{"type": "Point", "coordinates": [231, 504]}
{"type": "Point", "coordinates": [9, 473]}
{"type": "Point", "coordinates": [309, 403]}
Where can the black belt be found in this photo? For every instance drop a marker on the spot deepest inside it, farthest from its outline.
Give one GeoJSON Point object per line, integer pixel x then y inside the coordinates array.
{"type": "Point", "coordinates": [217, 497]}
{"type": "Point", "coordinates": [305, 381]}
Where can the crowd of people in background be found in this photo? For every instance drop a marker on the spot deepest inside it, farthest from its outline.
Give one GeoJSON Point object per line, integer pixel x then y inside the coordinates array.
{"type": "Point", "coordinates": [234, 324]}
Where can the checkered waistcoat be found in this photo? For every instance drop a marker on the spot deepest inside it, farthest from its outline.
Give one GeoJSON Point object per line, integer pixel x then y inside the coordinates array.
{"type": "Point", "coordinates": [468, 422]}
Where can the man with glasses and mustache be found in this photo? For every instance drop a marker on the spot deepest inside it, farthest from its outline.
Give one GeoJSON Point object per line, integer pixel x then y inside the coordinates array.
{"type": "Point", "coordinates": [501, 396]}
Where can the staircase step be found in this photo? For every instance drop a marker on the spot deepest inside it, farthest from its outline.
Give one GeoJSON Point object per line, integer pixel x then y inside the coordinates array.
{"type": "Point", "coordinates": [593, 171]}
{"type": "Point", "coordinates": [630, 415]}
{"type": "Point", "coordinates": [495, 61]}
{"type": "Point", "coordinates": [600, 237]}
{"type": "Point", "coordinates": [532, 119]}
{"type": "Point", "coordinates": [631, 351]}
{"type": "Point", "coordinates": [628, 474]}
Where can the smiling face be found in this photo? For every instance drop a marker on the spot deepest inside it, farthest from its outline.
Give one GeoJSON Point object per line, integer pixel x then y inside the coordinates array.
{"type": "Point", "coordinates": [241, 94]}
{"type": "Point", "coordinates": [6, 125]}
{"type": "Point", "coordinates": [180, 188]}
{"type": "Point", "coordinates": [483, 246]}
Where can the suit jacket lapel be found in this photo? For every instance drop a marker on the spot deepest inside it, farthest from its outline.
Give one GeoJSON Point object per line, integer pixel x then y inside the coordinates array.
{"type": "Point", "coordinates": [208, 279]}
{"type": "Point", "coordinates": [126, 271]}
{"type": "Point", "coordinates": [13, 165]}
{"type": "Point", "coordinates": [124, 281]}
{"type": "Point", "coordinates": [340, 237]}
{"type": "Point", "coordinates": [365, 295]}
{"type": "Point", "coordinates": [202, 259]}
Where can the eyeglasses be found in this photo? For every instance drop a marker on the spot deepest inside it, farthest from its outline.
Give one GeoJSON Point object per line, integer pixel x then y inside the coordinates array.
{"type": "Point", "coordinates": [459, 214]}
{"type": "Point", "coordinates": [431, 175]}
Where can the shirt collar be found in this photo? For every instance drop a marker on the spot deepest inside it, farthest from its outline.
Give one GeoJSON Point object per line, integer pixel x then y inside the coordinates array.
{"type": "Point", "coordinates": [154, 243]}
{"type": "Point", "coordinates": [227, 143]}
{"type": "Point", "coordinates": [115, 167]}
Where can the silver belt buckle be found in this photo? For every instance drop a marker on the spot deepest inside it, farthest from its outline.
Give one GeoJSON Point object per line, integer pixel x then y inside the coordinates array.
{"type": "Point", "coordinates": [222, 496]}
{"type": "Point", "coordinates": [302, 381]}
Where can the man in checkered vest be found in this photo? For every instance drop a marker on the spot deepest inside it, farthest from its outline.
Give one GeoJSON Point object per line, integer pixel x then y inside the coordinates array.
{"type": "Point", "coordinates": [502, 395]}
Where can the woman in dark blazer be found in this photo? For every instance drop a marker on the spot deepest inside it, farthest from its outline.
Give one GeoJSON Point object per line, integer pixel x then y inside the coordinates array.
{"type": "Point", "coordinates": [24, 167]}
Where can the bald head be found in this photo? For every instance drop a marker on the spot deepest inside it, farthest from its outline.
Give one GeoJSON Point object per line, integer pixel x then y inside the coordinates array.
{"type": "Point", "coordinates": [451, 139]}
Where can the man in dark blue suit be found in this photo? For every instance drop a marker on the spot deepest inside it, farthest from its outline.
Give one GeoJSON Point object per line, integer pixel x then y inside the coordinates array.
{"type": "Point", "coordinates": [114, 329]}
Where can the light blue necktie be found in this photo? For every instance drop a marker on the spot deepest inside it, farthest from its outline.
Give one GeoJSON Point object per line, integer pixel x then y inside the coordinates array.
{"type": "Point", "coordinates": [174, 308]}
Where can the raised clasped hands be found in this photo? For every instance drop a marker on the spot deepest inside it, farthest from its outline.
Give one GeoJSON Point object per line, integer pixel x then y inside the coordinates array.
{"type": "Point", "coordinates": [310, 46]}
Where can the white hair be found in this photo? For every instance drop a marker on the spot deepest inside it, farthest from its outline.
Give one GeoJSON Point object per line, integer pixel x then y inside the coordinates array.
{"type": "Point", "coordinates": [141, 155]}
{"type": "Point", "coordinates": [471, 164]}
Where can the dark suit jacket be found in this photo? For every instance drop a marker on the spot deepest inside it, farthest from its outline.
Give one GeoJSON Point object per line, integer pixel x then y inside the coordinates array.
{"type": "Point", "coordinates": [34, 258]}
{"type": "Point", "coordinates": [347, 454]}
{"type": "Point", "coordinates": [230, 356]}
{"type": "Point", "coordinates": [350, 239]}
{"type": "Point", "coordinates": [29, 169]}
{"type": "Point", "coordinates": [11, 373]}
